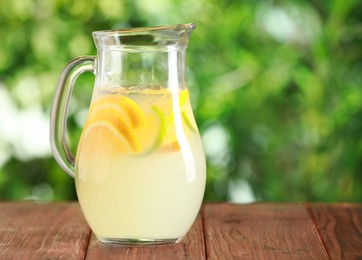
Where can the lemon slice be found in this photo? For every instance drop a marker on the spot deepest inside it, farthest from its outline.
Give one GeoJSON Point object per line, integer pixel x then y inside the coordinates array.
{"type": "Point", "coordinates": [101, 144]}
{"type": "Point", "coordinates": [124, 106]}
{"type": "Point", "coordinates": [104, 134]}
{"type": "Point", "coordinates": [185, 111]}
{"type": "Point", "coordinates": [118, 124]}
{"type": "Point", "coordinates": [184, 96]}
{"type": "Point", "coordinates": [118, 115]}
{"type": "Point", "coordinates": [116, 133]}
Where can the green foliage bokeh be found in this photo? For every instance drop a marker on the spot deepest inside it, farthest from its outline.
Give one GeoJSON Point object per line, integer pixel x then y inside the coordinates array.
{"type": "Point", "coordinates": [276, 87]}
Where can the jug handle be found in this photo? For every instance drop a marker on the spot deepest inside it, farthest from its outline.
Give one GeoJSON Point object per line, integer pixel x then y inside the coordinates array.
{"type": "Point", "coordinates": [59, 111]}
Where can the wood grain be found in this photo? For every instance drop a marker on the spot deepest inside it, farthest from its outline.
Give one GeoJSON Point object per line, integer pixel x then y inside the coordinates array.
{"type": "Point", "coordinates": [340, 226]}
{"type": "Point", "coordinates": [261, 231]}
{"type": "Point", "coordinates": [191, 247]}
{"type": "Point", "coordinates": [221, 231]}
{"type": "Point", "coordinates": [42, 231]}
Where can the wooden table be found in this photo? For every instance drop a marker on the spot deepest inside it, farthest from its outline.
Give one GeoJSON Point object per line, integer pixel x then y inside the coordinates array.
{"type": "Point", "coordinates": [221, 231]}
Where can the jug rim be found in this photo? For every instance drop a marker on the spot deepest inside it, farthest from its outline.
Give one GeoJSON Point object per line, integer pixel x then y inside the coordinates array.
{"type": "Point", "coordinates": [173, 35]}
{"type": "Point", "coordinates": [136, 30]}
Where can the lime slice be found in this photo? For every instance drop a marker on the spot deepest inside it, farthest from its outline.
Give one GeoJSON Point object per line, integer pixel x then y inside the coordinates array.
{"type": "Point", "coordinates": [162, 130]}
{"type": "Point", "coordinates": [188, 122]}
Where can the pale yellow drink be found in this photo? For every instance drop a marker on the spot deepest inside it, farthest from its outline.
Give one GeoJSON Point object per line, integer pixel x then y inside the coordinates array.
{"type": "Point", "coordinates": [140, 169]}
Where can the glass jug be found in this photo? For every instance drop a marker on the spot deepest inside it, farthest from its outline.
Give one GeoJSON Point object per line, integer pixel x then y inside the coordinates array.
{"type": "Point", "coordinates": [140, 166]}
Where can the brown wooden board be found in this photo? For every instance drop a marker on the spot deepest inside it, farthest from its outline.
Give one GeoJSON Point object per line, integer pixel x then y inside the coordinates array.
{"type": "Point", "coordinates": [340, 227]}
{"type": "Point", "coordinates": [42, 231]}
{"type": "Point", "coordinates": [191, 247]}
{"type": "Point", "coordinates": [261, 231]}
{"type": "Point", "coordinates": [222, 231]}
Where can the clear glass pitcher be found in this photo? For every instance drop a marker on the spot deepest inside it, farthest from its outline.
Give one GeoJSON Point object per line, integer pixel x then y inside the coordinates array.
{"type": "Point", "coordinates": [140, 166]}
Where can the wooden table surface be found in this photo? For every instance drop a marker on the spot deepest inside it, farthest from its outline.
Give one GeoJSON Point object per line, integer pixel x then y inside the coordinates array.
{"type": "Point", "coordinates": [221, 231]}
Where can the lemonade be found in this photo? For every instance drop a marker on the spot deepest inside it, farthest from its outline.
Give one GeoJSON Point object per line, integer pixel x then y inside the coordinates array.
{"type": "Point", "coordinates": [140, 167]}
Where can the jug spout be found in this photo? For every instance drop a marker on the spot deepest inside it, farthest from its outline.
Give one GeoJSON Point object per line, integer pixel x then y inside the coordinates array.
{"type": "Point", "coordinates": [146, 37]}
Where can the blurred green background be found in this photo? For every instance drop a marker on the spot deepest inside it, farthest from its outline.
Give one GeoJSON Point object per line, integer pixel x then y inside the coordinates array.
{"type": "Point", "coordinates": [276, 87]}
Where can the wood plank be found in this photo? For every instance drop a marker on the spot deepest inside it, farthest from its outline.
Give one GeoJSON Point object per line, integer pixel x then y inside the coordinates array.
{"type": "Point", "coordinates": [340, 227]}
{"type": "Point", "coordinates": [191, 247]}
{"type": "Point", "coordinates": [42, 231]}
{"type": "Point", "coordinates": [261, 231]}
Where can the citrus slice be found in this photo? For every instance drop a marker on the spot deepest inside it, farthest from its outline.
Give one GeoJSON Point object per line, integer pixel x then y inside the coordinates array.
{"type": "Point", "coordinates": [125, 106]}
{"type": "Point", "coordinates": [161, 130]}
{"type": "Point", "coordinates": [191, 124]}
{"type": "Point", "coordinates": [166, 139]}
{"type": "Point", "coordinates": [119, 121]}
{"type": "Point", "coordinates": [116, 118]}
{"type": "Point", "coordinates": [185, 111]}
{"type": "Point", "coordinates": [100, 143]}
{"type": "Point", "coordinates": [118, 115]}
{"type": "Point", "coordinates": [118, 137]}
{"type": "Point", "coordinates": [184, 96]}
